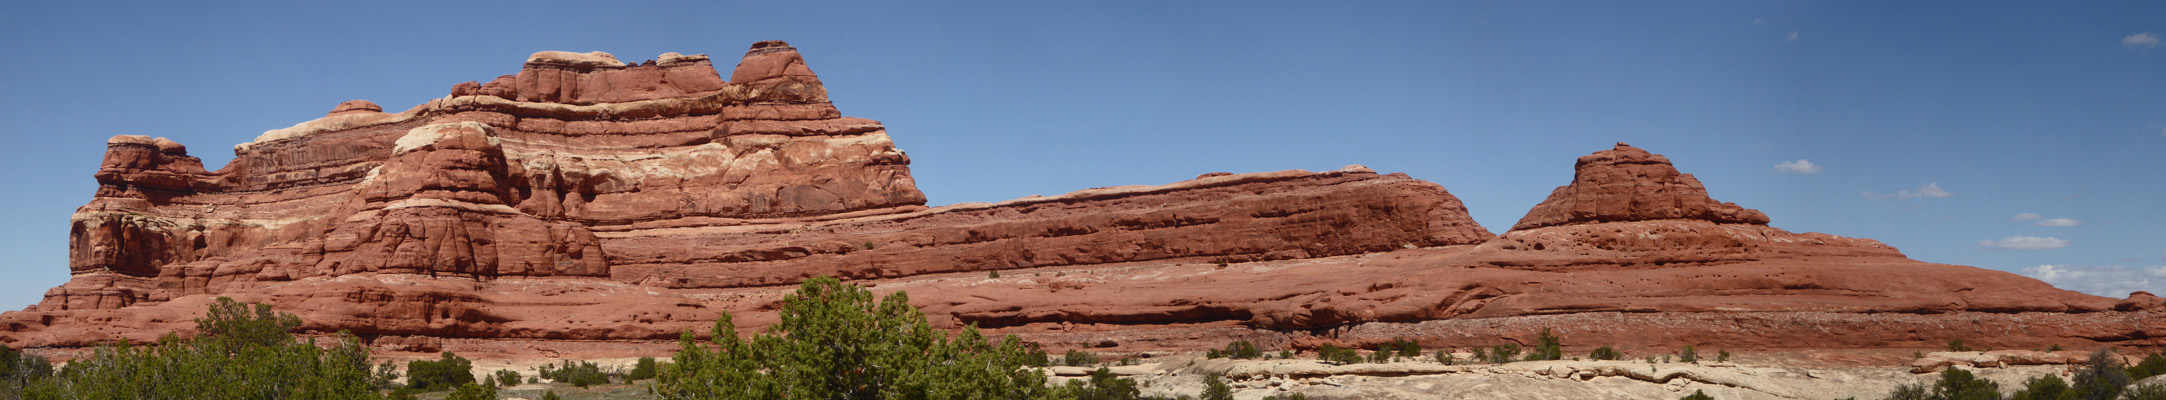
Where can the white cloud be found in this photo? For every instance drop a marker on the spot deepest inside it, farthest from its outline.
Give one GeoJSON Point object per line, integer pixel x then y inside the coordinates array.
{"type": "Point", "coordinates": [2029, 216]}
{"type": "Point", "coordinates": [2140, 41]}
{"type": "Point", "coordinates": [1929, 191]}
{"type": "Point", "coordinates": [2024, 243]}
{"type": "Point", "coordinates": [1797, 167]}
{"type": "Point", "coordinates": [2060, 222]}
{"type": "Point", "coordinates": [1793, 37]}
{"type": "Point", "coordinates": [2114, 281]}
{"type": "Point", "coordinates": [1759, 22]}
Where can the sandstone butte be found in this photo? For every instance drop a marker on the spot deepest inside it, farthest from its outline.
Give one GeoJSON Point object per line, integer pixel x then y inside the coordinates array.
{"type": "Point", "coordinates": [589, 199]}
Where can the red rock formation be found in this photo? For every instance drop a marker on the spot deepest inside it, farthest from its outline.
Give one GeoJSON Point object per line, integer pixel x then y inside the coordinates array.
{"type": "Point", "coordinates": [2140, 301]}
{"type": "Point", "coordinates": [1629, 184]}
{"type": "Point", "coordinates": [589, 198]}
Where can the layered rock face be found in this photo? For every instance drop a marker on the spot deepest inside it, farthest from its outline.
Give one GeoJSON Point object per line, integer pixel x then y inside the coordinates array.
{"type": "Point", "coordinates": [1632, 254]}
{"type": "Point", "coordinates": [492, 212]}
{"type": "Point", "coordinates": [589, 198]}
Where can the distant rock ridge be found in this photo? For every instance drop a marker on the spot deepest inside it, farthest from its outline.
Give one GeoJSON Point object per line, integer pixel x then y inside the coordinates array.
{"type": "Point", "coordinates": [589, 198]}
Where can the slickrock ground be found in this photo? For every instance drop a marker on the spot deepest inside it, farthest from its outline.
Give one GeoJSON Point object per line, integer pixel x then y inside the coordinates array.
{"type": "Point", "coordinates": [1564, 379]}
{"type": "Point", "coordinates": [591, 205]}
{"type": "Point", "coordinates": [1811, 374]}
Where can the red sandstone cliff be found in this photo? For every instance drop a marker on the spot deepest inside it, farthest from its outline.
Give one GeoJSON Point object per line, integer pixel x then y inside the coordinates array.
{"type": "Point", "coordinates": [589, 198]}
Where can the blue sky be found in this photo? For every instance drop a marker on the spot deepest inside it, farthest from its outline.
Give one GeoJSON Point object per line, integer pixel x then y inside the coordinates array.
{"type": "Point", "coordinates": [1927, 126]}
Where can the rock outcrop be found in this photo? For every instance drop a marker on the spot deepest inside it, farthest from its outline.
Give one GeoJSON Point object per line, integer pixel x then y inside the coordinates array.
{"type": "Point", "coordinates": [1628, 184]}
{"type": "Point", "coordinates": [590, 198]}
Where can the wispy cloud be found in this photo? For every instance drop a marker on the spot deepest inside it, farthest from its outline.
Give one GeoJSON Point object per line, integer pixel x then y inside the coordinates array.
{"type": "Point", "coordinates": [2024, 243]}
{"type": "Point", "coordinates": [1797, 167]}
{"type": "Point", "coordinates": [1793, 36]}
{"type": "Point", "coordinates": [1759, 22]}
{"type": "Point", "coordinates": [2029, 217]}
{"type": "Point", "coordinates": [2060, 222]}
{"type": "Point", "coordinates": [1929, 191]}
{"type": "Point", "coordinates": [2140, 41]}
{"type": "Point", "coordinates": [2113, 281]}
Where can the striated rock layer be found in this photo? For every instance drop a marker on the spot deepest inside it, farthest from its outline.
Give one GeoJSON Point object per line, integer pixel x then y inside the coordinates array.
{"type": "Point", "coordinates": [589, 198]}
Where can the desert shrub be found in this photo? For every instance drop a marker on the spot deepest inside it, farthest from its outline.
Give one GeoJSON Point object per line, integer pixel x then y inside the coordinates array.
{"type": "Point", "coordinates": [1688, 355]}
{"type": "Point", "coordinates": [1444, 357]}
{"type": "Point", "coordinates": [1336, 354]}
{"type": "Point", "coordinates": [1102, 385]}
{"type": "Point", "coordinates": [1381, 355]}
{"type": "Point", "coordinates": [994, 274]}
{"type": "Point", "coordinates": [2047, 387]}
{"type": "Point", "coordinates": [507, 377]}
{"type": "Point", "coordinates": [552, 395]}
{"type": "Point", "coordinates": [1215, 388]}
{"type": "Point", "coordinates": [834, 342]}
{"type": "Point", "coordinates": [1957, 345]}
{"type": "Point", "coordinates": [446, 372]}
{"type": "Point", "coordinates": [1722, 356]}
{"type": "Point", "coordinates": [1286, 354]}
{"type": "Point", "coordinates": [1604, 353]}
{"type": "Point", "coordinates": [1078, 358]}
{"type": "Point", "coordinates": [644, 369]}
{"type": "Point", "coordinates": [244, 351]}
{"type": "Point", "coordinates": [2100, 377]}
{"type": "Point", "coordinates": [581, 374]}
{"type": "Point", "coordinates": [1957, 384]}
{"type": "Point", "coordinates": [1403, 347]}
{"type": "Point", "coordinates": [1697, 395]}
{"type": "Point", "coordinates": [471, 391]}
{"type": "Point", "coordinates": [2152, 365]}
{"type": "Point", "coordinates": [400, 393]}
{"type": "Point", "coordinates": [1500, 354]}
{"type": "Point", "coordinates": [1242, 349]}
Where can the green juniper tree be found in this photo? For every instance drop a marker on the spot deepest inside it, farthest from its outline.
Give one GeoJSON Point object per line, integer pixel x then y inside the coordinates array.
{"type": "Point", "coordinates": [244, 351]}
{"type": "Point", "coordinates": [448, 371]}
{"type": "Point", "coordinates": [835, 342]}
{"type": "Point", "coordinates": [1546, 347]}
